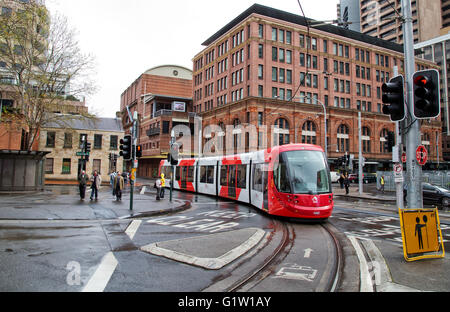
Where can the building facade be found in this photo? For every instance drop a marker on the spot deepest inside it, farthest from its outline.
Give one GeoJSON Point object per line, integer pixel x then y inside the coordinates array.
{"type": "Point", "coordinates": [382, 19]}
{"type": "Point", "coordinates": [162, 97]}
{"type": "Point", "coordinates": [267, 69]}
{"type": "Point", "coordinates": [62, 162]}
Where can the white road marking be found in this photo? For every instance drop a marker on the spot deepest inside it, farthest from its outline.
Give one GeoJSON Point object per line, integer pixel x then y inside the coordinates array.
{"type": "Point", "coordinates": [101, 277]}
{"type": "Point", "coordinates": [132, 228]}
{"type": "Point", "coordinates": [366, 279]}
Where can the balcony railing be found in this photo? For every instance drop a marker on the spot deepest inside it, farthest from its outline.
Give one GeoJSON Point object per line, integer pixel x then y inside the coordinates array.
{"type": "Point", "coordinates": [153, 131]}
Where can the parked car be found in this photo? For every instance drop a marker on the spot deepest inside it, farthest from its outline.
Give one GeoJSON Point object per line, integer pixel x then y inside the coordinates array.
{"type": "Point", "coordinates": [432, 195]}
{"type": "Point", "coordinates": [334, 176]}
{"type": "Point", "coordinates": [367, 178]}
{"type": "Point", "coordinates": [353, 178]}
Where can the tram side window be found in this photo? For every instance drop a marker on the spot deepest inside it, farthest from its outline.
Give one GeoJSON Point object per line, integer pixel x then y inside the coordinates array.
{"type": "Point", "coordinates": [178, 173]}
{"type": "Point", "coordinates": [281, 177]}
{"type": "Point", "coordinates": [232, 176]}
{"type": "Point", "coordinates": [190, 174]}
{"type": "Point", "coordinates": [203, 174]}
{"type": "Point", "coordinates": [257, 178]}
{"type": "Point", "coordinates": [210, 175]}
{"type": "Point", "coordinates": [223, 175]}
{"type": "Point", "coordinates": [167, 172]}
{"type": "Point", "coordinates": [241, 176]}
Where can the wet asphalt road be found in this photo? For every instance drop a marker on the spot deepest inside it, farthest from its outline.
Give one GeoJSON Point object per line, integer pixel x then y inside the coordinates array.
{"type": "Point", "coordinates": [37, 254]}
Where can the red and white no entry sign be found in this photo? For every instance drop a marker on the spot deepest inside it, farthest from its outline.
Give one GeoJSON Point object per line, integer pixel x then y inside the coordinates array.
{"type": "Point", "coordinates": [421, 155]}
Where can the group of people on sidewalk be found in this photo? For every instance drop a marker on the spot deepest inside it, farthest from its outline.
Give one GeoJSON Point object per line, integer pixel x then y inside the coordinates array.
{"type": "Point", "coordinates": [116, 180]}
{"type": "Point", "coordinates": [96, 181]}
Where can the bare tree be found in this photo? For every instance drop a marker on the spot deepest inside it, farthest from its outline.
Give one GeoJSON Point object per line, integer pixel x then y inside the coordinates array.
{"type": "Point", "coordinates": [45, 69]}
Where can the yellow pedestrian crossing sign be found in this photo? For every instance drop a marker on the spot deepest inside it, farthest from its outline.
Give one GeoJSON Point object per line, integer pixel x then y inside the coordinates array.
{"type": "Point", "coordinates": [421, 234]}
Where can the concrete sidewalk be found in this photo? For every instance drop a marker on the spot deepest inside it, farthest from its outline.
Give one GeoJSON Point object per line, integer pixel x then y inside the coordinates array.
{"type": "Point", "coordinates": [62, 202]}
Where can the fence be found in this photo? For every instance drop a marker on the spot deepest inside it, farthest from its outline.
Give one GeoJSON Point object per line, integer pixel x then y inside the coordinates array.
{"type": "Point", "coordinates": [440, 178]}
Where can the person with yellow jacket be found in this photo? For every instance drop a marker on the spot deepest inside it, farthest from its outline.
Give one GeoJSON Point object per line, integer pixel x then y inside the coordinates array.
{"type": "Point", "coordinates": [163, 185]}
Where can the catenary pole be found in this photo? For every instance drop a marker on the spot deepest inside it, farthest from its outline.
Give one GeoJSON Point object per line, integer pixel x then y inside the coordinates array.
{"type": "Point", "coordinates": [414, 171]}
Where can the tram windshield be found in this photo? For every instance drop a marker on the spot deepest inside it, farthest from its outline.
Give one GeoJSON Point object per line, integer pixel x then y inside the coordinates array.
{"type": "Point", "coordinates": [302, 172]}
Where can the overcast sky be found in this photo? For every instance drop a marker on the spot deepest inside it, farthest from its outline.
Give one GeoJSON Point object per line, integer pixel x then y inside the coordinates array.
{"type": "Point", "coordinates": [129, 37]}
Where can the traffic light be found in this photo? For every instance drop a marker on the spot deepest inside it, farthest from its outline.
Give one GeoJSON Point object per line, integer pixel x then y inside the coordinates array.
{"type": "Point", "coordinates": [393, 95]}
{"type": "Point", "coordinates": [390, 141]}
{"type": "Point", "coordinates": [174, 154]}
{"type": "Point", "coordinates": [426, 94]}
{"type": "Point", "coordinates": [125, 147]}
{"type": "Point", "coordinates": [138, 151]}
{"type": "Point", "coordinates": [87, 147]}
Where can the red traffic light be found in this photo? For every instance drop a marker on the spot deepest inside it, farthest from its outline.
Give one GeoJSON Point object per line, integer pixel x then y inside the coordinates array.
{"type": "Point", "coordinates": [421, 81]}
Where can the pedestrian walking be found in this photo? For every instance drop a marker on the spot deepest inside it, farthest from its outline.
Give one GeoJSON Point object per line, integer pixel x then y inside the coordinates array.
{"type": "Point", "coordinates": [83, 178]}
{"type": "Point", "coordinates": [96, 181]}
{"type": "Point", "coordinates": [118, 186]}
{"type": "Point", "coordinates": [163, 185]}
{"type": "Point", "coordinates": [112, 177]}
{"type": "Point", "coordinates": [346, 184]}
{"type": "Point", "coordinates": [382, 184]}
{"type": "Point", "coordinates": [158, 188]}
{"type": "Point", "coordinates": [341, 180]}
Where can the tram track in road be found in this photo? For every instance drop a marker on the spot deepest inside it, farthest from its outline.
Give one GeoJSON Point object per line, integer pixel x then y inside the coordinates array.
{"type": "Point", "coordinates": [267, 271]}
{"type": "Point", "coordinates": [264, 270]}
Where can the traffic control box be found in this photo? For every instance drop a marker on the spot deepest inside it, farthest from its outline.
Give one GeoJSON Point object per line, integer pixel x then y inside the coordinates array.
{"type": "Point", "coordinates": [421, 234]}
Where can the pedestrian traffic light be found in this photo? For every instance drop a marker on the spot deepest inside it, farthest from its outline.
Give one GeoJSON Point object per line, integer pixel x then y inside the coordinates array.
{"type": "Point", "coordinates": [426, 94]}
{"type": "Point", "coordinates": [174, 154]}
{"type": "Point", "coordinates": [390, 141]}
{"type": "Point", "coordinates": [393, 95]}
{"type": "Point", "coordinates": [125, 147]}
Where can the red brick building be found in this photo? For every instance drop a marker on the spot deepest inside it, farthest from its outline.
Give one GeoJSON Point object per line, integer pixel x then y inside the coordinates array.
{"type": "Point", "coordinates": [271, 68]}
{"type": "Point", "coordinates": [162, 96]}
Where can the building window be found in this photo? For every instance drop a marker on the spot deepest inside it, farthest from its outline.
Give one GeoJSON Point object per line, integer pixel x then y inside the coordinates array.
{"type": "Point", "coordinates": [366, 140]}
{"type": "Point", "coordinates": [309, 133]}
{"type": "Point", "coordinates": [343, 140]}
{"type": "Point", "coordinates": [49, 165]}
{"type": "Point", "coordinates": [281, 132]}
{"type": "Point", "coordinates": [113, 142]}
{"type": "Point", "coordinates": [97, 165]}
{"type": "Point", "coordinates": [66, 164]}
{"type": "Point", "coordinates": [383, 147]}
{"type": "Point", "coordinates": [51, 139]}
{"type": "Point", "coordinates": [260, 71]}
{"type": "Point", "coordinates": [67, 140]}
{"type": "Point", "coordinates": [97, 141]}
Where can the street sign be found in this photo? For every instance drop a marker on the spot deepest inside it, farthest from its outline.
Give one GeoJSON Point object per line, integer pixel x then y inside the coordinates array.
{"type": "Point", "coordinates": [421, 155]}
{"type": "Point", "coordinates": [82, 154]}
{"type": "Point", "coordinates": [421, 234]}
{"type": "Point", "coordinates": [398, 173]}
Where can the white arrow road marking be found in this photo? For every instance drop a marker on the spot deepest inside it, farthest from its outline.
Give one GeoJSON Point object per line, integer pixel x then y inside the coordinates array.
{"type": "Point", "coordinates": [308, 253]}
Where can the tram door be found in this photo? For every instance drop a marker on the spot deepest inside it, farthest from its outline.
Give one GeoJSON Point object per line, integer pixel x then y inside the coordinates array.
{"type": "Point", "coordinates": [184, 171]}
{"type": "Point", "coordinates": [232, 181]}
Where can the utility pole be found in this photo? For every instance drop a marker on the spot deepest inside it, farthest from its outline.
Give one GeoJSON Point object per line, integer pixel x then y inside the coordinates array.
{"type": "Point", "coordinates": [360, 157]}
{"type": "Point", "coordinates": [414, 171]}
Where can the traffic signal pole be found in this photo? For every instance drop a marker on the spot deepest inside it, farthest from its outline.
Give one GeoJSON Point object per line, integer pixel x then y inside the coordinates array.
{"type": "Point", "coordinates": [414, 171]}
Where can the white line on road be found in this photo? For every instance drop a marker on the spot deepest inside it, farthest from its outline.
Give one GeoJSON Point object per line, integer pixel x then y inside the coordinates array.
{"type": "Point", "coordinates": [132, 228]}
{"type": "Point", "coordinates": [101, 277]}
{"type": "Point", "coordinates": [366, 279]}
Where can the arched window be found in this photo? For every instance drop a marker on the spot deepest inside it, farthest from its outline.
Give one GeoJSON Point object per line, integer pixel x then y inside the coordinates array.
{"type": "Point", "coordinates": [366, 140]}
{"type": "Point", "coordinates": [383, 146]}
{"type": "Point", "coordinates": [309, 135]}
{"type": "Point", "coordinates": [281, 131]}
{"type": "Point", "coordinates": [343, 140]}
{"type": "Point", "coordinates": [426, 142]}
{"type": "Point", "coordinates": [236, 136]}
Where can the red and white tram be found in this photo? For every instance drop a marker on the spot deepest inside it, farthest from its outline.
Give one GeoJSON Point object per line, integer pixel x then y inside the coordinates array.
{"type": "Point", "coordinates": [289, 180]}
